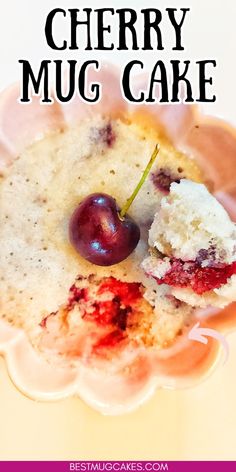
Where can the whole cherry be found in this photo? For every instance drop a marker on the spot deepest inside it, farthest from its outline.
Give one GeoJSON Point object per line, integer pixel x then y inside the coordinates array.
{"type": "Point", "coordinates": [103, 233]}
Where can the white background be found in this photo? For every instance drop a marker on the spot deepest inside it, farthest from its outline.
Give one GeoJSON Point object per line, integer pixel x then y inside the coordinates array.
{"type": "Point", "coordinates": [208, 33]}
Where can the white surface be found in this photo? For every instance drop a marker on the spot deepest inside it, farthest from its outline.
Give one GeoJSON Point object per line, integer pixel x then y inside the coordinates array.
{"type": "Point", "coordinates": [192, 424]}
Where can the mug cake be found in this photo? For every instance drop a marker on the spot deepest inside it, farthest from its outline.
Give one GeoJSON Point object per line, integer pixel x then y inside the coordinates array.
{"type": "Point", "coordinates": [120, 330]}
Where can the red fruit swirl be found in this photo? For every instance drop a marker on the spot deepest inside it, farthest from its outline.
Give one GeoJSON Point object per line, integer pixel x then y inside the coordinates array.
{"type": "Point", "coordinates": [106, 303]}
{"type": "Point", "coordinates": [200, 279]}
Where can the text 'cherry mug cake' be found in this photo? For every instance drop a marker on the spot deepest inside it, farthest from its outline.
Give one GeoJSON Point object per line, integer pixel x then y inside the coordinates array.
{"type": "Point", "coordinates": [94, 311]}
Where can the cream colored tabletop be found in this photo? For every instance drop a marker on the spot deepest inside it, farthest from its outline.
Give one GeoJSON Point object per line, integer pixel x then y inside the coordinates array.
{"type": "Point", "coordinates": [199, 423]}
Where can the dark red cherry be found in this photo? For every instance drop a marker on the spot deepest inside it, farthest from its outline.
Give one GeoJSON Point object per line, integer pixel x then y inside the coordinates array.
{"type": "Point", "coordinates": [103, 233]}
{"type": "Point", "coordinates": [99, 234]}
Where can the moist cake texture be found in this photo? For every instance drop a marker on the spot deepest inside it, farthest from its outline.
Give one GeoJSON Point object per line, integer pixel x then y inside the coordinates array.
{"type": "Point", "coordinates": [38, 194]}
{"type": "Point", "coordinates": [194, 246]}
{"type": "Point", "coordinates": [101, 316]}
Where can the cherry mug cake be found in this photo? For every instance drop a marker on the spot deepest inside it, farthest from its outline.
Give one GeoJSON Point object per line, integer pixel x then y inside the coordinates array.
{"type": "Point", "coordinates": [123, 318]}
{"type": "Point", "coordinates": [47, 181]}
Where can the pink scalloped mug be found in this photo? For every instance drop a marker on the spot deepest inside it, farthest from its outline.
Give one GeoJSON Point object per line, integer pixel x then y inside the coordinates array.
{"type": "Point", "coordinates": [213, 143]}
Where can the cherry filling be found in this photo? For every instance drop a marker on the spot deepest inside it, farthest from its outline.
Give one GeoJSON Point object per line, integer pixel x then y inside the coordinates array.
{"type": "Point", "coordinates": [109, 313]}
{"type": "Point", "coordinates": [128, 292]}
{"type": "Point", "coordinates": [109, 341]}
{"type": "Point", "coordinates": [200, 279]}
{"type": "Point", "coordinates": [106, 303]}
{"type": "Point", "coordinates": [105, 135]}
{"type": "Point", "coordinates": [113, 313]}
{"type": "Point", "coordinates": [76, 295]}
{"type": "Point", "coordinates": [163, 179]}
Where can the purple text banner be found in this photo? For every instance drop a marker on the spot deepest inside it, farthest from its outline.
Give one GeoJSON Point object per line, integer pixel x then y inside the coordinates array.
{"type": "Point", "coordinates": [117, 466]}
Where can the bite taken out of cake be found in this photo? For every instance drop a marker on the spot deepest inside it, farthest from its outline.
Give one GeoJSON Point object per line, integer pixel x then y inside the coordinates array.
{"type": "Point", "coordinates": [193, 247]}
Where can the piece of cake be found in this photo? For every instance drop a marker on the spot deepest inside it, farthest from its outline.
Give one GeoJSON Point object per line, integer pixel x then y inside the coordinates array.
{"type": "Point", "coordinates": [39, 266]}
{"type": "Point", "coordinates": [193, 247]}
